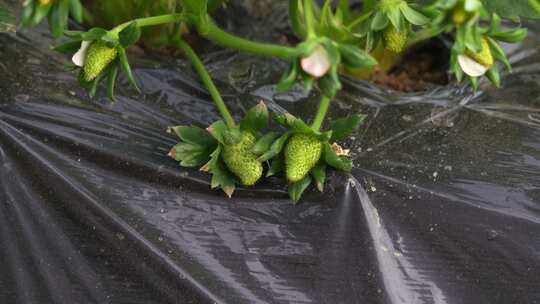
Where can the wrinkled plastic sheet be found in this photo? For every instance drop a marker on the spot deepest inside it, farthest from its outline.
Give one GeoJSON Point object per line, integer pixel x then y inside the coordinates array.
{"type": "Point", "coordinates": [442, 206]}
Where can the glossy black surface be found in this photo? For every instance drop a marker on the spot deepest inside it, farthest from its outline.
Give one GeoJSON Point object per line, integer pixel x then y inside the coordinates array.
{"type": "Point", "coordinates": [443, 205]}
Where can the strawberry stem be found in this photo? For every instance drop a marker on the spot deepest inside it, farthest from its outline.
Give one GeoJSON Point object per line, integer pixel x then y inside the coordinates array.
{"type": "Point", "coordinates": [321, 113]}
{"type": "Point", "coordinates": [207, 80]}
{"type": "Point", "coordinates": [149, 21]}
{"type": "Point", "coordinates": [217, 35]}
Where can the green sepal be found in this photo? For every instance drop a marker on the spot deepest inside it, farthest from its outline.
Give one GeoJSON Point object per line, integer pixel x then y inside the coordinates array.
{"type": "Point", "coordinates": [379, 21]}
{"type": "Point", "coordinates": [329, 83]}
{"type": "Point", "coordinates": [396, 19]}
{"type": "Point", "coordinates": [511, 36]}
{"type": "Point", "coordinates": [474, 83]}
{"type": "Point", "coordinates": [221, 177]}
{"type": "Point", "coordinates": [92, 34]}
{"type": "Point", "coordinates": [218, 130]}
{"type": "Point", "coordinates": [58, 17]}
{"type": "Point", "coordinates": [292, 123]}
{"type": "Point", "coordinates": [68, 47]}
{"type": "Point", "coordinates": [264, 143]}
{"type": "Point", "coordinates": [111, 81]}
{"type": "Point", "coordinates": [255, 119]}
{"type": "Point", "coordinates": [498, 53]}
{"type": "Point", "coordinates": [297, 189]}
{"type": "Point", "coordinates": [41, 11]}
{"type": "Point", "coordinates": [276, 147]}
{"type": "Point", "coordinates": [332, 159]}
{"type": "Point", "coordinates": [289, 78]}
{"type": "Point", "coordinates": [232, 136]}
{"type": "Point", "coordinates": [319, 175]}
{"type": "Point", "coordinates": [129, 35]}
{"type": "Point", "coordinates": [277, 164]}
{"type": "Point", "coordinates": [76, 10]}
{"type": "Point", "coordinates": [126, 68]}
{"type": "Point", "coordinates": [412, 15]}
{"type": "Point", "coordinates": [342, 127]}
{"type": "Point", "coordinates": [494, 76]}
{"type": "Point", "coordinates": [354, 57]}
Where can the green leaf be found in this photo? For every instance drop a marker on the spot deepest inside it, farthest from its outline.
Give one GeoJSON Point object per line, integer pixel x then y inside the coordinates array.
{"type": "Point", "coordinates": [194, 135]}
{"type": "Point", "coordinates": [191, 155]}
{"type": "Point", "coordinates": [319, 175]}
{"type": "Point", "coordinates": [297, 189]}
{"type": "Point", "coordinates": [256, 118]}
{"type": "Point", "coordinates": [264, 143]}
{"type": "Point", "coordinates": [338, 162]}
{"type": "Point", "coordinates": [126, 68]}
{"type": "Point", "coordinates": [412, 15]}
{"type": "Point", "coordinates": [511, 9]}
{"type": "Point", "coordinates": [111, 81]}
{"type": "Point", "coordinates": [342, 127]}
{"type": "Point", "coordinates": [130, 35]}
{"type": "Point", "coordinates": [218, 130]}
{"type": "Point", "coordinates": [275, 148]}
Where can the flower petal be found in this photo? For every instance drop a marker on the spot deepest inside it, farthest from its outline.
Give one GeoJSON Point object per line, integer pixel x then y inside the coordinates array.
{"type": "Point", "coordinates": [316, 64]}
{"type": "Point", "coordinates": [471, 67]}
{"type": "Point", "coordinates": [79, 57]}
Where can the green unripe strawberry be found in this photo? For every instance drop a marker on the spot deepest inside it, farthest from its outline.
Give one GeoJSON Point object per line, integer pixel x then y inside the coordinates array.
{"type": "Point", "coordinates": [394, 40]}
{"type": "Point", "coordinates": [241, 161]}
{"type": "Point", "coordinates": [302, 153]}
{"type": "Point", "coordinates": [98, 57]}
{"type": "Point", "coordinates": [484, 57]}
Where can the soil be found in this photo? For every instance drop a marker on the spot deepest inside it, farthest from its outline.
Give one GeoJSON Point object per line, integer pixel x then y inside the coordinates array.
{"type": "Point", "coordinates": [420, 68]}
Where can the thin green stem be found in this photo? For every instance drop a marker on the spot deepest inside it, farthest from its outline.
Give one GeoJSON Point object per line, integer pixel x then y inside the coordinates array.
{"type": "Point", "coordinates": [149, 21]}
{"type": "Point", "coordinates": [217, 35]}
{"type": "Point", "coordinates": [309, 19]}
{"type": "Point", "coordinates": [207, 80]}
{"type": "Point", "coordinates": [535, 5]}
{"type": "Point", "coordinates": [423, 35]}
{"type": "Point", "coordinates": [321, 113]}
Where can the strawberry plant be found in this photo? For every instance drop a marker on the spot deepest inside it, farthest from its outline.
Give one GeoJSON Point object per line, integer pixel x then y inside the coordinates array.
{"type": "Point", "coordinates": [334, 39]}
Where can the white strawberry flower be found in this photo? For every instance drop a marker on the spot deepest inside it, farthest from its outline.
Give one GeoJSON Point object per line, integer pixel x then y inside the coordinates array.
{"type": "Point", "coordinates": [471, 67]}
{"type": "Point", "coordinates": [79, 57]}
{"type": "Point", "coordinates": [316, 64]}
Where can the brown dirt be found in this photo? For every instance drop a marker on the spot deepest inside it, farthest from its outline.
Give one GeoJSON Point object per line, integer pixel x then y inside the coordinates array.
{"type": "Point", "coordinates": [419, 69]}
